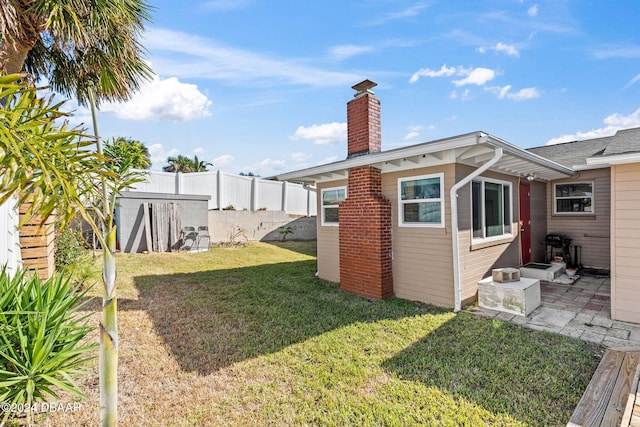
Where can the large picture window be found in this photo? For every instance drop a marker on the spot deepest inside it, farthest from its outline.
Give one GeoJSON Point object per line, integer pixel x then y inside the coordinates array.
{"type": "Point", "coordinates": [573, 198]}
{"type": "Point", "coordinates": [331, 199]}
{"type": "Point", "coordinates": [421, 201]}
{"type": "Point", "coordinates": [491, 208]}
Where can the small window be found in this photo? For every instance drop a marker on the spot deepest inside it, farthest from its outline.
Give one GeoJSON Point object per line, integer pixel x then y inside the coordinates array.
{"type": "Point", "coordinates": [573, 198]}
{"type": "Point", "coordinates": [490, 208]}
{"type": "Point", "coordinates": [421, 201]}
{"type": "Point", "coordinates": [331, 199]}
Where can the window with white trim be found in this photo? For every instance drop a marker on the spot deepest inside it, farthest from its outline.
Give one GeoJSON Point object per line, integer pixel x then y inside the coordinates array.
{"type": "Point", "coordinates": [331, 199]}
{"type": "Point", "coordinates": [421, 201]}
{"type": "Point", "coordinates": [490, 208]}
{"type": "Point", "coordinates": [573, 198]}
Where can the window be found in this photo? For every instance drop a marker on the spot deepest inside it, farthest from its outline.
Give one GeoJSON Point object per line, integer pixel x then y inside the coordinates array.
{"type": "Point", "coordinates": [575, 198]}
{"type": "Point", "coordinates": [421, 201]}
{"type": "Point", "coordinates": [490, 208]}
{"type": "Point", "coordinates": [331, 199]}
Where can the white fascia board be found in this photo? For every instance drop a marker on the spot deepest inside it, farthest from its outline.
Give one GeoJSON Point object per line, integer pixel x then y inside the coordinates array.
{"type": "Point", "coordinates": [313, 174]}
{"type": "Point", "coordinates": [529, 156]}
{"type": "Point", "coordinates": [615, 159]}
{"type": "Point", "coordinates": [309, 174]}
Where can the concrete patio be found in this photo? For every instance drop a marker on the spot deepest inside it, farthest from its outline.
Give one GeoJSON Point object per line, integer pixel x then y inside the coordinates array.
{"type": "Point", "coordinates": [579, 310]}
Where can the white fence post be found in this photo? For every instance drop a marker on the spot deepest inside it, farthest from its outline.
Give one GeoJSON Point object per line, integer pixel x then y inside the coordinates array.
{"type": "Point", "coordinates": [254, 194]}
{"type": "Point", "coordinates": [284, 196]}
{"type": "Point", "coordinates": [178, 183]}
{"type": "Point", "coordinates": [220, 188]}
{"type": "Point", "coordinates": [308, 201]}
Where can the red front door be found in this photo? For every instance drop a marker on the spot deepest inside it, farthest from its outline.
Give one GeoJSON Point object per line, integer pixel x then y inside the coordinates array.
{"type": "Point", "coordinates": [525, 222]}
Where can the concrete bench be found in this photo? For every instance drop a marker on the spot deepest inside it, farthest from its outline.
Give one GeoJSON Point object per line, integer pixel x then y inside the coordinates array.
{"type": "Point", "coordinates": [612, 397]}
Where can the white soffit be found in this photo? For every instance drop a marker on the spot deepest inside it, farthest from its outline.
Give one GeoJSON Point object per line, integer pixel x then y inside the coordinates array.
{"type": "Point", "coordinates": [471, 149]}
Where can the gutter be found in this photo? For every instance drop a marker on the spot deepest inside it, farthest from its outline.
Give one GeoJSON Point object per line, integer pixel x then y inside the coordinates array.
{"type": "Point", "coordinates": [454, 220]}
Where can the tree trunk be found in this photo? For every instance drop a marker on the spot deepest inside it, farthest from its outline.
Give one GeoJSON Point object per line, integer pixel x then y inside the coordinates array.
{"type": "Point", "coordinates": [109, 336]}
{"type": "Point", "coordinates": [109, 326]}
{"type": "Point", "coordinates": [12, 56]}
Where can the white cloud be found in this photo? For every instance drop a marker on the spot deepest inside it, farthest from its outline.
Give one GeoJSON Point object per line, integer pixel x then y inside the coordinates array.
{"type": "Point", "coordinates": [509, 50]}
{"type": "Point", "coordinates": [222, 161]}
{"type": "Point", "coordinates": [428, 72]}
{"type": "Point", "coordinates": [478, 76]}
{"type": "Point", "coordinates": [405, 13]}
{"type": "Point", "coordinates": [623, 122]}
{"type": "Point", "coordinates": [349, 50]}
{"type": "Point", "coordinates": [189, 56]}
{"type": "Point", "coordinates": [521, 95]}
{"type": "Point", "coordinates": [198, 150]}
{"type": "Point", "coordinates": [158, 155]}
{"type": "Point", "coordinates": [325, 134]}
{"type": "Point", "coordinates": [411, 135]}
{"type": "Point", "coordinates": [300, 157]}
{"type": "Point", "coordinates": [632, 82]}
{"type": "Point", "coordinates": [464, 95]}
{"type": "Point", "coordinates": [268, 167]}
{"type": "Point", "coordinates": [533, 11]}
{"type": "Point", "coordinates": [614, 122]}
{"type": "Point", "coordinates": [163, 99]}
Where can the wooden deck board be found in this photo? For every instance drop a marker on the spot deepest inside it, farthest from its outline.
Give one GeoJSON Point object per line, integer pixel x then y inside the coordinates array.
{"type": "Point", "coordinates": [595, 400]}
{"type": "Point", "coordinates": [610, 398]}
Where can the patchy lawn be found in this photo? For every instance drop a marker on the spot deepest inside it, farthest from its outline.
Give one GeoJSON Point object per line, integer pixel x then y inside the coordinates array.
{"type": "Point", "coordinates": [248, 336]}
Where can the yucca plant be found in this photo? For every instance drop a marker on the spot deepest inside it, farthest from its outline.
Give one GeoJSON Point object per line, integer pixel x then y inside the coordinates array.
{"type": "Point", "coordinates": [43, 343]}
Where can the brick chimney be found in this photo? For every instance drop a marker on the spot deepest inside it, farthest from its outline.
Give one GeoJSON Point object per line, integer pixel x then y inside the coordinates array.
{"type": "Point", "coordinates": [363, 121]}
{"type": "Point", "coordinates": [365, 215]}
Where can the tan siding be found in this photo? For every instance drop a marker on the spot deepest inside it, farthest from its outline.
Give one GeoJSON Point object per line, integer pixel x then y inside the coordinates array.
{"type": "Point", "coordinates": [476, 264]}
{"type": "Point", "coordinates": [422, 262]}
{"type": "Point", "coordinates": [625, 244]}
{"type": "Point", "coordinates": [328, 241]}
{"type": "Point", "coordinates": [591, 232]}
{"type": "Point", "coordinates": [538, 220]}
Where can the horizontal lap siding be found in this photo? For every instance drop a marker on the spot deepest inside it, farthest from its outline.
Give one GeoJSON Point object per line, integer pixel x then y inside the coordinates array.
{"type": "Point", "coordinates": [476, 264]}
{"type": "Point", "coordinates": [625, 238]}
{"type": "Point", "coordinates": [591, 232]}
{"type": "Point", "coordinates": [422, 258]}
{"type": "Point", "coordinates": [328, 240]}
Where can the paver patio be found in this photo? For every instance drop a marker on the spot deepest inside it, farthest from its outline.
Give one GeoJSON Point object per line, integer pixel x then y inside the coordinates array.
{"type": "Point", "coordinates": [579, 310]}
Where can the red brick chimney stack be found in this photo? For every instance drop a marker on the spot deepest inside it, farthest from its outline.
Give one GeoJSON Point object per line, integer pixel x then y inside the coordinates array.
{"type": "Point", "coordinates": [363, 121]}
{"type": "Point", "coordinates": [365, 215]}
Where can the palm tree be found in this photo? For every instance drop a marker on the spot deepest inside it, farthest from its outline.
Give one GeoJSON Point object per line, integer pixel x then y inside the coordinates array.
{"type": "Point", "coordinates": [178, 163]}
{"type": "Point", "coordinates": [186, 164]}
{"type": "Point", "coordinates": [124, 153]}
{"type": "Point", "coordinates": [200, 165]}
{"type": "Point", "coordinates": [88, 49]}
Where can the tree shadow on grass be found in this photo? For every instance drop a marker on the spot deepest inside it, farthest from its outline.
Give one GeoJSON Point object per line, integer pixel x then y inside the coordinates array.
{"type": "Point", "coordinates": [212, 319]}
{"type": "Point", "coordinates": [536, 377]}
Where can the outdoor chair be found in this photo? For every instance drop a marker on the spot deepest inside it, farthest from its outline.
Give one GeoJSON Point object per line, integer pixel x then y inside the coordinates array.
{"type": "Point", "coordinates": [203, 234]}
{"type": "Point", "coordinates": [189, 237]}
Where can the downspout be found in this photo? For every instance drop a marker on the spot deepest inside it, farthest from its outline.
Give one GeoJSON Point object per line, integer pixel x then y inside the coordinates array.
{"type": "Point", "coordinates": [454, 223]}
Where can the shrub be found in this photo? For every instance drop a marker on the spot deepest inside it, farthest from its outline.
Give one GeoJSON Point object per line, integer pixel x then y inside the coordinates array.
{"type": "Point", "coordinates": [69, 247]}
{"type": "Point", "coordinates": [42, 339]}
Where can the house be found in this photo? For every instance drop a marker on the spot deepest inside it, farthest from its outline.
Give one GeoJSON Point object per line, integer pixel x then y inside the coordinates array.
{"type": "Point", "coordinates": [428, 221]}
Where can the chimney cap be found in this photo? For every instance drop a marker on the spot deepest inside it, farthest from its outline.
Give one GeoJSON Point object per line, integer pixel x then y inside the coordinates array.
{"type": "Point", "coordinates": [364, 86]}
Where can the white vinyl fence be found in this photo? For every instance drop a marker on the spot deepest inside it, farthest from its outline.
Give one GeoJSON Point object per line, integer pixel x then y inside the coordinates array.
{"type": "Point", "coordinates": [9, 237]}
{"type": "Point", "coordinates": [235, 191]}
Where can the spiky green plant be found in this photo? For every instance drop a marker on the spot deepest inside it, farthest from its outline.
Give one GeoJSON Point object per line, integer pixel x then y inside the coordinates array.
{"type": "Point", "coordinates": [43, 342]}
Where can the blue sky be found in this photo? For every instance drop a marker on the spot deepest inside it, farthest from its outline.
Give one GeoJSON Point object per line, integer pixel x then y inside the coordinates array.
{"type": "Point", "coordinates": [261, 86]}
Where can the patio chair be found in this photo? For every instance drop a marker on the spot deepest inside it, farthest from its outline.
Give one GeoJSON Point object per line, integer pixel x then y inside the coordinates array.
{"type": "Point", "coordinates": [189, 237]}
{"type": "Point", "coordinates": [203, 234]}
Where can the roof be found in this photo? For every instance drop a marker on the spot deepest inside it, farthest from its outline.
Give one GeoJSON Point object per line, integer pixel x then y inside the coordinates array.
{"type": "Point", "coordinates": [472, 149]}
{"type": "Point", "coordinates": [576, 153]}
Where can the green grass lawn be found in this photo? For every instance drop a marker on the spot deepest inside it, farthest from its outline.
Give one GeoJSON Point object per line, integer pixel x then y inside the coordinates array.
{"type": "Point", "coordinates": [249, 336]}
